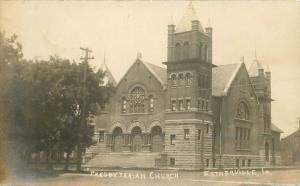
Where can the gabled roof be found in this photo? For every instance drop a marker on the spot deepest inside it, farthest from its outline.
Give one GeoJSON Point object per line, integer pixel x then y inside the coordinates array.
{"type": "Point", "coordinates": [222, 77]}
{"type": "Point", "coordinates": [185, 23]}
{"type": "Point", "coordinates": [275, 128]}
{"type": "Point", "coordinates": [159, 72]}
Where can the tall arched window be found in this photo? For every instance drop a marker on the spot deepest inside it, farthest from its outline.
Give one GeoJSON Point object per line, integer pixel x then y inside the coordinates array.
{"type": "Point", "coordinates": [203, 52]}
{"type": "Point", "coordinates": [123, 105]}
{"type": "Point", "coordinates": [188, 79]}
{"type": "Point", "coordinates": [242, 111]}
{"type": "Point", "coordinates": [151, 103]}
{"type": "Point", "coordinates": [177, 51]}
{"type": "Point", "coordinates": [206, 53]}
{"type": "Point", "coordinates": [173, 79]}
{"type": "Point", "coordinates": [137, 97]}
{"type": "Point", "coordinates": [200, 51]}
{"type": "Point", "coordinates": [186, 50]}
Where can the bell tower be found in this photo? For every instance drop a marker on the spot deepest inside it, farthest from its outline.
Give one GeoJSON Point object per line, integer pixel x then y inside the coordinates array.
{"type": "Point", "coordinates": [188, 116]}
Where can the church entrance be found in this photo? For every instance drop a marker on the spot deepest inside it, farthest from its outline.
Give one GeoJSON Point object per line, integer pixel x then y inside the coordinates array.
{"type": "Point", "coordinates": [157, 139]}
{"type": "Point", "coordinates": [117, 140]}
{"type": "Point", "coordinates": [136, 139]}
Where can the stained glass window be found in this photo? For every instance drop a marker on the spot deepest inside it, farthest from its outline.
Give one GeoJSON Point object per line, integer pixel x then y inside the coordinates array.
{"type": "Point", "coordinates": [137, 98]}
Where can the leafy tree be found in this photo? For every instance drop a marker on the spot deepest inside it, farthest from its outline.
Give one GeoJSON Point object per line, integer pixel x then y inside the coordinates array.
{"type": "Point", "coordinates": [44, 100]}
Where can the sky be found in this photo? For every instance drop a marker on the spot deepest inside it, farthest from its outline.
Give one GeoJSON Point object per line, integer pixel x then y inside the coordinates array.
{"type": "Point", "coordinates": [121, 29]}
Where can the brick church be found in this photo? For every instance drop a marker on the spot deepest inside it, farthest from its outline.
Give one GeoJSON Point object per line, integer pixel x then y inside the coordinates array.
{"type": "Point", "coordinates": [191, 114]}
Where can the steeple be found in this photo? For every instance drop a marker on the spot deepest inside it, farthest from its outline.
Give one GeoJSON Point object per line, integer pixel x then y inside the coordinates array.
{"type": "Point", "coordinates": [109, 78]}
{"type": "Point", "coordinates": [189, 21]}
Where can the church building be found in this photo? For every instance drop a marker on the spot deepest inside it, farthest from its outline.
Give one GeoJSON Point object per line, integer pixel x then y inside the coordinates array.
{"type": "Point", "coordinates": [191, 114]}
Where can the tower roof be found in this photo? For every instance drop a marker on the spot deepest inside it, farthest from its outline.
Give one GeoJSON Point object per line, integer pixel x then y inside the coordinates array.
{"type": "Point", "coordinates": [254, 67]}
{"type": "Point", "coordinates": [109, 78]}
{"type": "Point", "coordinates": [185, 23]}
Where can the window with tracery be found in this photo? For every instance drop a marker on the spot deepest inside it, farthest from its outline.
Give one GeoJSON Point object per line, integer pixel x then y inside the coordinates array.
{"type": "Point", "coordinates": [242, 111]}
{"type": "Point", "coordinates": [137, 99]}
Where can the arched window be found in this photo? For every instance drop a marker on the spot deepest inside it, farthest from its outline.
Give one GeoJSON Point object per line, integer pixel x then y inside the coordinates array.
{"type": "Point", "coordinates": [188, 79]}
{"type": "Point", "coordinates": [200, 51]}
{"type": "Point", "coordinates": [137, 97]}
{"type": "Point", "coordinates": [124, 105]}
{"type": "Point", "coordinates": [173, 79]}
{"type": "Point", "coordinates": [203, 52]}
{"type": "Point", "coordinates": [186, 50]}
{"type": "Point", "coordinates": [181, 79]}
{"type": "Point", "coordinates": [177, 51]}
{"type": "Point", "coordinates": [242, 111]}
{"type": "Point", "coordinates": [151, 103]}
{"type": "Point", "coordinates": [173, 105]}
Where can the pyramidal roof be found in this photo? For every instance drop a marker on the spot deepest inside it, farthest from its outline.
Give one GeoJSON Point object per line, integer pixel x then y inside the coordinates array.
{"type": "Point", "coordinates": [185, 23]}
{"type": "Point", "coordinates": [109, 78]}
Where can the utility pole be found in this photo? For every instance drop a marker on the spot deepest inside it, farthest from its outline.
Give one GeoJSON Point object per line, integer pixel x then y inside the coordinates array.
{"type": "Point", "coordinates": [85, 59]}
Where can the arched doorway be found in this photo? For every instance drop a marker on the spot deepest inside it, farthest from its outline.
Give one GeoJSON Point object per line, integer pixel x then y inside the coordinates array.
{"type": "Point", "coordinates": [117, 140]}
{"type": "Point", "coordinates": [156, 139]}
{"type": "Point", "coordinates": [137, 141]}
{"type": "Point", "coordinates": [267, 151]}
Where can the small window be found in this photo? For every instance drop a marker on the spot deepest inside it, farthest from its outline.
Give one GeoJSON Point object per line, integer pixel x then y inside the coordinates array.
{"type": "Point", "coordinates": [188, 79]}
{"type": "Point", "coordinates": [243, 163]}
{"type": "Point", "coordinates": [202, 105]}
{"type": "Point", "coordinates": [237, 163]}
{"type": "Point", "coordinates": [101, 136]}
{"type": "Point", "coordinates": [181, 79]}
{"type": "Point", "coordinates": [207, 128]}
{"type": "Point", "coordinates": [249, 163]}
{"type": "Point", "coordinates": [207, 163]}
{"type": "Point", "coordinates": [124, 105]}
{"type": "Point", "coordinates": [172, 139]}
{"type": "Point", "coordinates": [181, 105]}
{"type": "Point", "coordinates": [248, 137]}
{"type": "Point", "coordinates": [172, 162]}
{"type": "Point", "coordinates": [199, 136]}
{"type": "Point", "coordinates": [188, 104]}
{"type": "Point", "coordinates": [214, 163]}
{"type": "Point", "coordinates": [173, 79]}
{"type": "Point", "coordinates": [199, 105]}
{"type": "Point", "coordinates": [151, 103]}
{"type": "Point", "coordinates": [173, 105]}
{"type": "Point", "coordinates": [186, 133]}
{"type": "Point", "coordinates": [206, 105]}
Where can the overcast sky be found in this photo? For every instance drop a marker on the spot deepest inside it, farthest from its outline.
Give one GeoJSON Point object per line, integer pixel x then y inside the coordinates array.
{"type": "Point", "coordinates": [121, 29]}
